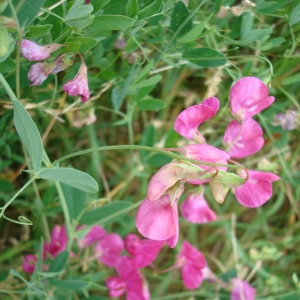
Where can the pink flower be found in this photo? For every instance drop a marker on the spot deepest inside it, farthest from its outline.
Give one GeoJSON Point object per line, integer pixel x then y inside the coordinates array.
{"type": "Point", "coordinates": [207, 154]}
{"type": "Point", "coordinates": [144, 252]}
{"type": "Point", "coordinates": [130, 281]}
{"type": "Point", "coordinates": [243, 139]}
{"type": "Point", "coordinates": [61, 63]}
{"type": "Point", "coordinates": [32, 51]}
{"type": "Point", "coordinates": [79, 85]}
{"type": "Point", "coordinates": [39, 72]}
{"type": "Point", "coordinates": [195, 209]}
{"type": "Point", "coordinates": [188, 121]}
{"type": "Point", "coordinates": [242, 290]}
{"type": "Point", "coordinates": [29, 263]}
{"type": "Point", "coordinates": [158, 220]}
{"type": "Point", "coordinates": [249, 96]}
{"type": "Point", "coordinates": [257, 189]}
{"type": "Point", "coordinates": [95, 234]}
{"type": "Point", "coordinates": [192, 264]}
{"type": "Point", "coordinates": [109, 249]}
{"type": "Point", "coordinates": [58, 242]}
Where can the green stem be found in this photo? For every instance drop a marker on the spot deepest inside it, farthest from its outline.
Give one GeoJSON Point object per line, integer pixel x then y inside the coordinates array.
{"type": "Point", "coordinates": [7, 88]}
{"type": "Point", "coordinates": [142, 148]}
{"type": "Point", "coordinates": [66, 214]}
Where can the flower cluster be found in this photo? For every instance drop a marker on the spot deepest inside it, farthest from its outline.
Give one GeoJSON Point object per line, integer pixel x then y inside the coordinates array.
{"type": "Point", "coordinates": [109, 249]}
{"type": "Point", "coordinates": [157, 217]}
{"type": "Point", "coordinates": [39, 72]}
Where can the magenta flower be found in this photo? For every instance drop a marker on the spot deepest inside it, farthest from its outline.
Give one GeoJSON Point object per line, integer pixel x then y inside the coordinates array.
{"type": "Point", "coordinates": [39, 72]}
{"type": "Point", "coordinates": [192, 264]}
{"type": "Point", "coordinates": [249, 96]}
{"type": "Point", "coordinates": [33, 52]}
{"type": "Point", "coordinates": [208, 154]}
{"type": "Point", "coordinates": [129, 282]}
{"type": "Point", "coordinates": [244, 139]}
{"type": "Point", "coordinates": [58, 242]}
{"type": "Point", "coordinates": [109, 249]}
{"type": "Point", "coordinates": [144, 252]}
{"type": "Point", "coordinates": [242, 290]}
{"type": "Point", "coordinates": [257, 189]}
{"type": "Point", "coordinates": [29, 263]}
{"type": "Point", "coordinates": [79, 85]}
{"type": "Point", "coordinates": [188, 121]}
{"type": "Point", "coordinates": [196, 210]}
{"type": "Point", "coordinates": [158, 220]}
{"type": "Point", "coordinates": [95, 234]}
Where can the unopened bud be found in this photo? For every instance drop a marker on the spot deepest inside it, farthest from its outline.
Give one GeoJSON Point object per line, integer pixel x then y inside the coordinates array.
{"type": "Point", "coordinates": [218, 190]}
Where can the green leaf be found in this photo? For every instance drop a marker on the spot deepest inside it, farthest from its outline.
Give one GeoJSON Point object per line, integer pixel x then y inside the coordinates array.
{"type": "Point", "coordinates": [230, 180]}
{"type": "Point", "coordinates": [75, 200]}
{"type": "Point", "coordinates": [40, 256]}
{"type": "Point", "coordinates": [113, 22]}
{"type": "Point", "coordinates": [71, 47]}
{"type": "Point", "coordinates": [59, 262]}
{"type": "Point", "coordinates": [195, 32]}
{"type": "Point", "coordinates": [151, 104]}
{"type": "Point", "coordinates": [106, 214]}
{"type": "Point", "coordinates": [247, 24]}
{"type": "Point", "coordinates": [7, 66]}
{"type": "Point", "coordinates": [272, 43]}
{"type": "Point", "coordinates": [72, 177]}
{"type": "Point", "coordinates": [179, 16]}
{"type": "Point", "coordinates": [255, 35]}
{"type": "Point", "coordinates": [295, 15]}
{"type": "Point", "coordinates": [147, 140]}
{"type": "Point", "coordinates": [80, 23]}
{"type": "Point", "coordinates": [290, 80]}
{"type": "Point", "coordinates": [149, 10]}
{"type": "Point", "coordinates": [131, 8]}
{"type": "Point", "coordinates": [205, 57]}
{"type": "Point", "coordinates": [73, 285]}
{"type": "Point", "coordinates": [147, 82]}
{"type": "Point", "coordinates": [78, 12]}
{"type": "Point", "coordinates": [29, 135]}
{"type": "Point", "coordinates": [86, 43]}
{"type": "Point", "coordinates": [269, 7]}
{"type": "Point", "coordinates": [38, 31]}
{"type": "Point", "coordinates": [145, 71]}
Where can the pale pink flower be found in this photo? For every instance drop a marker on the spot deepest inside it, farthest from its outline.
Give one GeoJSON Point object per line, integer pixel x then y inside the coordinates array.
{"type": "Point", "coordinates": [188, 121]}
{"type": "Point", "coordinates": [208, 154]}
{"type": "Point", "coordinates": [257, 189]}
{"type": "Point", "coordinates": [192, 264]}
{"type": "Point", "coordinates": [109, 248]}
{"type": "Point", "coordinates": [79, 85]}
{"type": "Point", "coordinates": [249, 96]}
{"type": "Point", "coordinates": [144, 252]}
{"type": "Point", "coordinates": [39, 72]}
{"type": "Point", "coordinates": [242, 290]}
{"type": "Point", "coordinates": [129, 282]}
{"type": "Point", "coordinates": [29, 263]}
{"type": "Point", "coordinates": [243, 139]}
{"type": "Point", "coordinates": [33, 52]}
{"type": "Point", "coordinates": [58, 242]}
{"type": "Point", "coordinates": [196, 210]}
{"type": "Point", "coordinates": [95, 234]}
{"type": "Point", "coordinates": [158, 220]}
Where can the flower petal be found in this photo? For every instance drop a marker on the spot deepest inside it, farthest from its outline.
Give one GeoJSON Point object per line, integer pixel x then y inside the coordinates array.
{"type": "Point", "coordinates": [191, 276]}
{"type": "Point", "coordinates": [242, 288]}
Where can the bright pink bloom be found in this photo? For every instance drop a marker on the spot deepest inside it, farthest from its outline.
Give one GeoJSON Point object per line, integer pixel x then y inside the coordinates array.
{"type": "Point", "coordinates": [29, 263]}
{"type": "Point", "coordinates": [243, 139]}
{"type": "Point", "coordinates": [39, 72]}
{"type": "Point", "coordinates": [249, 96]}
{"type": "Point", "coordinates": [94, 235]}
{"type": "Point", "coordinates": [58, 242]}
{"type": "Point", "coordinates": [158, 220]}
{"type": "Point", "coordinates": [192, 264]}
{"type": "Point", "coordinates": [242, 290]}
{"type": "Point", "coordinates": [32, 51]}
{"type": "Point", "coordinates": [109, 249]}
{"type": "Point", "coordinates": [207, 154]}
{"type": "Point", "coordinates": [144, 252]}
{"type": "Point", "coordinates": [130, 281]}
{"type": "Point", "coordinates": [195, 209]}
{"type": "Point", "coordinates": [188, 121]}
{"type": "Point", "coordinates": [257, 189]}
{"type": "Point", "coordinates": [79, 85]}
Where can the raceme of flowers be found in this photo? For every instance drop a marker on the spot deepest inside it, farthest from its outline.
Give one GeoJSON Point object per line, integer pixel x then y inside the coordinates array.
{"type": "Point", "coordinates": [39, 71]}
{"type": "Point", "coordinates": [139, 253]}
{"type": "Point", "coordinates": [157, 216]}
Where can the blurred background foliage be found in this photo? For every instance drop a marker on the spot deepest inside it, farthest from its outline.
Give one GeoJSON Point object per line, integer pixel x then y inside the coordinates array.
{"type": "Point", "coordinates": [142, 74]}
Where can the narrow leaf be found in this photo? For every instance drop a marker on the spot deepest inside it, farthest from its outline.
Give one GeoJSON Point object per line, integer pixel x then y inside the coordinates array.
{"type": "Point", "coordinates": [72, 285]}
{"type": "Point", "coordinates": [29, 135]}
{"type": "Point", "coordinates": [147, 82]}
{"type": "Point", "coordinates": [72, 177]}
{"type": "Point", "coordinates": [151, 104]}
{"type": "Point", "coordinates": [295, 15]}
{"type": "Point", "coordinates": [113, 22]}
{"type": "Point", "coordinates": [149, 10]}
{"type": "Point", "coordinates": [59, 262]}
